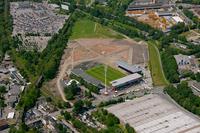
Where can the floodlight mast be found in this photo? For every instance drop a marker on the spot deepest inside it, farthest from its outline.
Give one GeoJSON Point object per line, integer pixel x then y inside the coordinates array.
{"type": "Point", "coordinates": [105, 70]}
{"type": "Point", "coordinates": [72, 58]}
{"type": "Point", "coordinates": [144, 63]}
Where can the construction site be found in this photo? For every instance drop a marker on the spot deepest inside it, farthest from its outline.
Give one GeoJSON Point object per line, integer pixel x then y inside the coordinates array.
{"type": "Point", "coordinates": [159, 14]}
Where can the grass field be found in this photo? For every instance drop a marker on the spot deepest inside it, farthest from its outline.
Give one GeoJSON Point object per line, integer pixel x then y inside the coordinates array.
{"type": "Point", "coordinates": [156, 66]}
{"type": "Point", "coordinates": [85, 28]}
{"type": "Point", "coordinates": [98, 73]}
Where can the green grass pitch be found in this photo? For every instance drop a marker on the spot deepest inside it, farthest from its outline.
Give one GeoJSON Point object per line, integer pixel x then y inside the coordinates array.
{"type": "Point", "coordinates": [98, 72]}
{"type": "Point", "coordinates": [86, 28]}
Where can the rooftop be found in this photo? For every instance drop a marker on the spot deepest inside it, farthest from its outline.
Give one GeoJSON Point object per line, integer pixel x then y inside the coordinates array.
{"type": "Point", "coordinates": [12, 99]}
{"type": "Point", "coordinates": [154, 114]}
{"type": "Point", "coordinates": [11, 115]}
{"type": "Point", "coordinates": [86, 77]}
{"type": "Point", "coordinates": [130, 68]}
{"type": "Point", "coordinates": [14, 90]}
{"type": "Point", "coordinates": [132, 77]}
{"type": "Point", "coordinates": [182, 59]}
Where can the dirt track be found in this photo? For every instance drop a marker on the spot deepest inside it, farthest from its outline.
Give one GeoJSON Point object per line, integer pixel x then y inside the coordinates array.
{"type": "Point", "coordinates": [106, 51]}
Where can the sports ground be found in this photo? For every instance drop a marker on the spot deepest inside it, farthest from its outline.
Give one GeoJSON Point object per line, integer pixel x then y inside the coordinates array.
{"type": "Point", "coordinates": [99, 73]}
{"type": "Point", "coordinates": [86, 28]}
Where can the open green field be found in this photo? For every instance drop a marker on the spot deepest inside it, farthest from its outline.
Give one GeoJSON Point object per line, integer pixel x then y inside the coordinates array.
{"type": "Point", "coordinates": [156, 66]}
{"type": "Point", "coordinates": [86, 28]}
{"type": "Point", "coordinates": [98, 72]}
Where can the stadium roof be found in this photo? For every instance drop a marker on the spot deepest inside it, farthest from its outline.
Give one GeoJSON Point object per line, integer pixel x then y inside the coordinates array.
{"type": "Point", "coordinates": [127, 79]}
{"type": "Point", "coordinates": [86, 77]}
{"type": "Point", "coordinates": [129, 68]}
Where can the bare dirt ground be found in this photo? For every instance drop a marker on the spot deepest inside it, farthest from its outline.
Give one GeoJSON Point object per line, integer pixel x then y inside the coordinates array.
{"type": "Point", "coordinates": [106, 51]}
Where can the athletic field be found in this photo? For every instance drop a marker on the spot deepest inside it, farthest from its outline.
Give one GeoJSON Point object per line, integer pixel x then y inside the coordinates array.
{"type": "Point", "coordinates": [86, 28]}
{"type": "Point", "coordinates": [98, 72]}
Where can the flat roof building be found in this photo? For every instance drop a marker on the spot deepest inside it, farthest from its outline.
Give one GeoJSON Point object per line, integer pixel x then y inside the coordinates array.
{"type": "Point", "coordinates": [127, 80]}
{"type": "Point", "coordinates": [185, 62]}
{"type": "Point", "coordinates": [129, 68]}
{"type": "Point", "coordinates": [177, 19]}
{"type": "Point", "coordinates": [148, 4]}
{"type": "Point", "coordinates": [11, 115]}
{"type": "Point", "coordinates": [153, 113]}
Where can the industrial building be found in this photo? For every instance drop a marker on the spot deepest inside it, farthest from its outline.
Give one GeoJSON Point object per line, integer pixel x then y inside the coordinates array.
{"type": "Point", "coordinates": [157, 13]}
{"type": "Point", "coordinates": [148, 7]}
{"type": "Point", "coordinates": [129, 68]}
{"type": "Point", "coordinates": [127, 80]}
{"type": "Point", "coordinates": [148, 4]}
{"type": "Point", "coordinates": [182, 59]}
{"type": "Point", "coordinates": [153, 113]}
{"type": "Point", "coordinates": [187, 63]}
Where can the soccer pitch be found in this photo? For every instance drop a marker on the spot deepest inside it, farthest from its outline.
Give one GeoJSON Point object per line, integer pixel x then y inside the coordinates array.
{"type": "Point", "coordinates": [98, 72]}
{"type": "Point", "coordinates": [86, 28]}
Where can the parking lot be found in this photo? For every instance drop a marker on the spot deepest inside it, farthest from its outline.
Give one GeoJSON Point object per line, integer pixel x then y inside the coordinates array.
{"type": "Point", "coordinates": [34, 23]}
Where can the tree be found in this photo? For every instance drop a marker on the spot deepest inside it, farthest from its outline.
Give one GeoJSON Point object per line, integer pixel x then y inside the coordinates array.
{"type": "Point", "coordinates": [170, 67]}
{"type": "Point", "coordinates": [66, 115]}
{"type": "Point", "coordinates": [129, 129]}
{"type": "Point", "coordinates": [184, 96]}
{"type": "Point", "coordinates": [61, 128]}
{"type": "Point", "coordinates": [88, 103]}
{"type": "Point", "coordinates": [2, 89]}
{"type": "Point", "coordinates": [88, 94]}
{"type": "Point", "coordinates": [2, 104]}
{"type": "Point", "coordinates": [111, 120]}
{"type": "Point", "coordinates": [197, 76]}
{"type": "Point", "coordinates": [78, 107]}
{"type": "Point", "coordinates": [72, 90]}
{"type": "Point", "coordinates": [66, 105]}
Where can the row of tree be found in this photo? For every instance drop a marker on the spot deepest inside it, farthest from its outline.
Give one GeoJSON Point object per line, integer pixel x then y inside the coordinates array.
{"type": "Point", "coordinates": [111, 121]}
{"type": "Point", "coordinates": [191, 1]}
{"type": "Point", "coordinates": [5, 28]}
{"type": "Point", "coordinates": [193, 17]}
{"type": "Point", "coordinates": [111, 102]}
{"type": "Point", "coordinates": [45, 63]}
{"type": "Point", "coordinates": [184, 96]}
{"type": "Point", "coordinates": [106, 18]}
{"type": "Point", "coordinates": [170, 67]}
